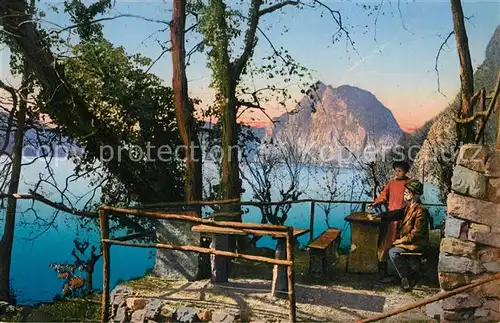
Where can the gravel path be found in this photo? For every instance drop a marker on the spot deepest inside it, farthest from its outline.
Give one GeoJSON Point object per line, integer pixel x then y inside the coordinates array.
{"type": "Point", "coordinates": [252, 300]}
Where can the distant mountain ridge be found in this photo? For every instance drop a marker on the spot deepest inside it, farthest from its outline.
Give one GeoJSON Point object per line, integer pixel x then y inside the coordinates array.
{"type": "Point", "coordinates": [36, 143]}
{"type": "Point", "coordinates": [442, 135]}
{"type": "Point", "coordinates": [329, 119]}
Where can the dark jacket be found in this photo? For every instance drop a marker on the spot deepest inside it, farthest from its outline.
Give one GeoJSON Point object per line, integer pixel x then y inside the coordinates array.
{"type": "Point", "coordinates": [413, 228]}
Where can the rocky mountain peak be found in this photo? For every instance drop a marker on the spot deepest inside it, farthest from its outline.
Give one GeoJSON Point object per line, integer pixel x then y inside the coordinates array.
{"type": "Point", "coordinates": [332, 119]}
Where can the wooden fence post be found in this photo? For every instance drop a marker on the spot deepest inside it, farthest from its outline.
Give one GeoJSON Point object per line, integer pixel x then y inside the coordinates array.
{"type": "Point", "coordinates": [104, 222]}
{"type": "Point", "coordinates": [291, 275]}
{"type": "Point", "coordinates": [311, 221]}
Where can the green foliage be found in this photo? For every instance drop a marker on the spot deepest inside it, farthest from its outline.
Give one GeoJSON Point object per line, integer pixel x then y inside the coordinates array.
{"type": "Point", "coordinates": [83, 16]}
{"type": "Point", "coordinates": [135, 111]}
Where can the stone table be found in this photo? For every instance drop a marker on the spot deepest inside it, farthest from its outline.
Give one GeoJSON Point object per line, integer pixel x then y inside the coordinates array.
{"type": "Point", "coordinates": [364, 243]}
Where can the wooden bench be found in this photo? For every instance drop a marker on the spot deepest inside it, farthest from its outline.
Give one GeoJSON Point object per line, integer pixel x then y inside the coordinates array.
{"type": "Point", "coordinates": [323, 253]}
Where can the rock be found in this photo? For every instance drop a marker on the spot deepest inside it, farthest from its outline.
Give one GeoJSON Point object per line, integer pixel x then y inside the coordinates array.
{"type": "Point", "coordinates": [487, 290]}
{"type": "Point", "coordinates": [122, 315]}
{"type": "Point", "coordinates": [166, 313]}
{"type": "Point", "coordinates": [465, 315]}
{"type": "Point", "coordinates": [138, 316]}
{"type": "Point", "coordinates": [135, 303]}
{"type": "Point", "coordinates": [187, 314]}
{"type": "Point", "coordinates": [176, 264]}
{"type": "Point", "coordinates": [223, 317]}
{"type": "Point", "coordinates": [492, 167]}
{"type": "Point", "coordinates": [153, 309]}
{"type": "Point", "coordinates": [205, 314]}
{"type": "Point", "coordinates": [115, 307]}
{"type": "Point", "coordinates": [461, 301]}
{"type": "Point", "coordinates": [479, 227]}
{"type": "Point", "coordinates": [481, 312]}
{"type": "Point", "coordinates": [3, 307]}
{"type": "Point", "coordinates": [453, 227]}
{"type": "Point", "coordinates": [449, 281]}
{"type": "Point", "coordinates": [434, 310]}
{"type": "Point", "coordinates": [468, 208]}
{"type": "Point", "coordinates": [493, 267]}
{"type": "Point", "coordinates": [473, 157]}
{"type": "Point", "coordinates": [458, 247]}
{"type": "Point", "coordinates": [468, 182]}
{"type": "Point", "coordinates": [120, 294]}
{"type": "Point", "coordinates": [489, 239]}
{"type": "Point", "coordinates": [475, 227]}
{"type": "Point", "coordinates": [493, 190]}
{"type": "Point", "coordinates": [455, 264]}
{"type": "Point", "coordinates": [493, 307]}
{"type": "Point", "coordinates": [488, 254]}
{"type": "Point", "coordinates": [10, 310]}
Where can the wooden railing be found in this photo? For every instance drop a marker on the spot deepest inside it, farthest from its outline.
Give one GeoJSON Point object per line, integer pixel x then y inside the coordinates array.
{"type": "Point", "coordinates": [277, 231]}
{"type": "Point", "coordinates": [312, 203]}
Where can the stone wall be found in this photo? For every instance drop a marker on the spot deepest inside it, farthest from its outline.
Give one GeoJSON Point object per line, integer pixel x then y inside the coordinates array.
{"type": "Point", "coordinates": [470, 248]}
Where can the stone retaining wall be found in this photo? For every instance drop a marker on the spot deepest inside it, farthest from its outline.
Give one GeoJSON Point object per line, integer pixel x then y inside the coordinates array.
{"type": "Point", "coordinates": [470, 248]}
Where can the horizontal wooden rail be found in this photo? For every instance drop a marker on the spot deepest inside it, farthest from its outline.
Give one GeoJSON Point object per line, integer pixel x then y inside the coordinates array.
{"type": "Point", "coordinates": [257, 203]}
{"type": "Point", "coordinates": [195, 203]}
{"type": "Point", "coordinates": [224, 214]}
{"type": "Point", "coordinates": [431, 299]}
{"type": "Point", "coordinates": [169, 216]}
{"type": "Point", "coordinates": [201, 250]}
{"type": "Point", "coordinates": [134, 236]}
{"type": "Point", "coordinates": [203, 228]}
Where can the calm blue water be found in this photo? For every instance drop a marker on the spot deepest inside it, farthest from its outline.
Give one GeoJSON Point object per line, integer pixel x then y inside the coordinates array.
{"type": "Point", "coordinates": [37, 244]}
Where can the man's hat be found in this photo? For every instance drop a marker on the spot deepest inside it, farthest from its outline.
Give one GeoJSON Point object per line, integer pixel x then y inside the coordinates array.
{"type": "Point", "coordinates": [415, 187]}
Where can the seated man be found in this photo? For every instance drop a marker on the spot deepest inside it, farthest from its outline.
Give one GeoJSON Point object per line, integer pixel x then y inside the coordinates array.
{"type": "Point", "coordinates": [412, 233]}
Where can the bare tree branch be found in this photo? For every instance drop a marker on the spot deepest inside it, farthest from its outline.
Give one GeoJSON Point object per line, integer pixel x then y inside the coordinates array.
{"type": "Point", "coordinates": [401, 17]}
{"type": "Point", "coordinates": [277, 7]}
{"type": "Point", "coordinates": [58, 206]}
{"type": "Point", "coordinates": [250, 40]}
{"type": "Point", "coordinates": [437, 59]}
{"type": "Point", "coordinates": [95, 21]}
{"type": "Point", "coordinates": [376, 20]}
{"type": "Point", "coordinates": [10, 119]}
{"type": "Point", "coordinates": [338, 19]}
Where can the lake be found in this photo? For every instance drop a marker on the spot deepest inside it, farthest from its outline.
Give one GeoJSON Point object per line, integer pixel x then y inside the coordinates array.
{"type": "Point", "coordinates": [37, 244]}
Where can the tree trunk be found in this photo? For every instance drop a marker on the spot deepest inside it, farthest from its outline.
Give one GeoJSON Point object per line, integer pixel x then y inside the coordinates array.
{"type": "Point", "coordinates": [10, 215]}
{"type": "Point", "coordinates": [230, 181]}
{"type": "Point", "coordinates": [174, 264]}
{"type": "Point", "coordinates": [90, 272]}
{"type": "Point", "coordinates": [184, 112]}
{"type": "Point", "coordinates": [226, 100]}
{"type": "Point", "coordinates": [89, 280]}
{"type": "Point", "coordinates": [466, 134]}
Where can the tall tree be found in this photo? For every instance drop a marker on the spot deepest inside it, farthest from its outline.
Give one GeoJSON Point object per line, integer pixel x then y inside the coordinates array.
{"type": "Point", "coordinates": [220, 27]}
{"type": "Point", "coordinates": [20, 109]}
{"type": "Point", "coordinates": [7, 240]}
{"type": "Point", "coordinates": [466, 132]}
{"type": "Point", "coordinates": [183, 106]}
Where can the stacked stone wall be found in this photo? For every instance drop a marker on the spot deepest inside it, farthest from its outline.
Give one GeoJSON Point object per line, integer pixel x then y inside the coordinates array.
{"type": "Point", "coordinates": [470, 248]}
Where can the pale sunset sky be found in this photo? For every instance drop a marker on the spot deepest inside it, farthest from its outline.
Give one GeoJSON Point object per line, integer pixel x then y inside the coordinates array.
{"type": "Point", "coordinates": [395, 57]}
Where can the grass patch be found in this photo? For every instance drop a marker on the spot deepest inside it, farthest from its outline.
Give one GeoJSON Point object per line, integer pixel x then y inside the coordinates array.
{"type": "Point", "coordinates": [68, 310]}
